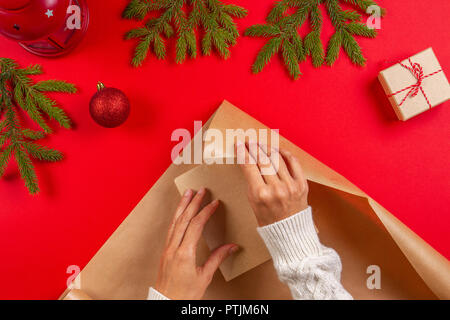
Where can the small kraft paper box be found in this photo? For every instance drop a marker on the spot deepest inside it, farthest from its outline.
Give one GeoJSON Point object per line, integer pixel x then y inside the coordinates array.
{"type": "Point", "coordinates": [415, 85]}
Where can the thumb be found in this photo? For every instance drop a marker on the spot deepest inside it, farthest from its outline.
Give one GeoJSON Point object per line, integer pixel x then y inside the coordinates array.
{"type": "Point", "coordinates": [217, 257]}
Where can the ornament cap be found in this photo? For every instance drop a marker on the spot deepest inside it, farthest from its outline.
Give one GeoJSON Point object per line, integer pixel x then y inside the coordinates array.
{"type": "Point", "coordinates": [100, 86]}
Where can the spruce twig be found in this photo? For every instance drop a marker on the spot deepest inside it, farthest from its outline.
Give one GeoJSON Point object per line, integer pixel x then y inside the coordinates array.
{"type": "Point", "coordinates": [183, 19]}
{"type": "Point", "coordinates": [18, 91]}
{"type": "Point", "coordinates": [287, 16]}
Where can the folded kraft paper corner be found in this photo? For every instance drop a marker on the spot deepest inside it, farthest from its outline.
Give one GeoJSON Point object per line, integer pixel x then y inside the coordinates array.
{"type": "Point", "coordinates": [366, 236]}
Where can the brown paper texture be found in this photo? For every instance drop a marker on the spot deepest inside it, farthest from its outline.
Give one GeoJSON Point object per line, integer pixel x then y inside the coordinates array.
{"type": "Point", "coordinates": [397, 77]}
{"type": "Point", "coordinates": [355, 225]}
{"type": "Point", "coordinates": [233, 221]}
{"type": "Point", "coordinates": [76, 294]}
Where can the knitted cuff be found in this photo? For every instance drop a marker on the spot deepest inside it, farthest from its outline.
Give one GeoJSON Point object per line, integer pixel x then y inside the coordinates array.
{"type": "Point", "coordinates": [292, 239]}
{"type": "Point", "coordinates": [156, 295]}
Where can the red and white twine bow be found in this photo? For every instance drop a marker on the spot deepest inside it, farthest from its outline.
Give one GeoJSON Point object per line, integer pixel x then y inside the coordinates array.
{"type": "Point", "coordinates": [417, 71]}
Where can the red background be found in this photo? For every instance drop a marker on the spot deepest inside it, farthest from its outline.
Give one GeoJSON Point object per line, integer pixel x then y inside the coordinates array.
{"type": "Point", "coordinates": [340, 115]}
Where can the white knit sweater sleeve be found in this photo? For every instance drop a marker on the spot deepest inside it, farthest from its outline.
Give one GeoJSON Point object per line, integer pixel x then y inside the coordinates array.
{"type": "Point", "coordinates": [311, 270]}
{"type": "Point", "coordinates": [155, 295]}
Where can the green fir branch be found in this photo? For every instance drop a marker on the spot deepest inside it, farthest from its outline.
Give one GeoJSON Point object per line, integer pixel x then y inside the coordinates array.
{"type": "Point", "coordinates": [352, 49]}
{"type": "Point", "coordinates": [138, 9]}
{"type": "Point", "coordinates": [159, 47]}
{"type": "Point", "coordinates": [54, 86]}
{"type": "Point", "coordinates": [137, 33]}
{"type": "Point", "coordinates": [299, 47]}
{"type": "Point", "coordinates": [334, 46]}
{"type": "Point", "coordinates": [48, 106]}
{"type": "Point", "coordinates": [33, 70]}
{"type": "Point", "coordinates": [235, 11]}
{"type": "Point", "coordinates": [17, 91]}
{"type": "Point", "coordinates": [290, 59]}
{"type": "Point", "coordinates": [142, 50]}
{"type": "Point", "coordinates": [267, 52]}
{"type": "Point", "coordinates": [26, 169]}
{"type": "Point", "coordinates": [5, 156]}
{"type": "Point", "coordinates": [286, 18]}
{"type": "Point", "coordinates": [360, 29]}
{"type": "Point", "coordinates": [351, 15]}
{"type": "Point", "coordinates": [361, 4]}
{"type": "Point", "coordinates": [42, 153]}
{"type": "Point", "coordinates": [33, 134]}
{"type": "Point", "coordinates": [277, 13]}
{"type": "Point", "coordinates": [183, 19]}
{"type": "Point", "coordinates": [181, 49]}
{"type": "Point", "coordinates": [33, 112]}
{"type": "Point", "coordinates": [263, 30]}
{"type": "Point", "coordinates": [191, 41]}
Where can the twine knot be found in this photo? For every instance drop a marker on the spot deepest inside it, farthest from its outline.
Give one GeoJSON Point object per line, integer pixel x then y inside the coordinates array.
{"type": "Point", "coordinates": [417, 71]}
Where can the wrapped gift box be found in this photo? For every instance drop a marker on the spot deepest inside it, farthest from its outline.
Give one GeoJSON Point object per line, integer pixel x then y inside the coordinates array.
{"type": "Point", "coordinates": [415, 85]}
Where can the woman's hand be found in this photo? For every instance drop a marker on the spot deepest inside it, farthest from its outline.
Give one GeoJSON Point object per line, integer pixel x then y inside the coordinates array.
{"type": "Point", "coordinates": [179, 277]}
{"type": "Point", "coordinates": [279, 193]}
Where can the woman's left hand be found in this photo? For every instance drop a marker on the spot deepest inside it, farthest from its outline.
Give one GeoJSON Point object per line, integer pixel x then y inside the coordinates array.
{"type": "Point", "coordinates": [179, 277]}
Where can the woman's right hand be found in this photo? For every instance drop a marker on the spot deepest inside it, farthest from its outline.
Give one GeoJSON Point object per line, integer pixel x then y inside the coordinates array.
{"type": "Point", "coordinates": [279, 194]}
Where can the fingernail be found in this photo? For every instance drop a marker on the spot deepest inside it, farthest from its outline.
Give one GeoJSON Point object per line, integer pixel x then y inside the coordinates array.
{"type": "Point", "coordinates": [201, 191]}
{"type": "Point", "coordinates": [188, 193]}
{"type": "Point", "coordinates": [215, 203]}
{"type": "Point", "coordinates": [234, 249]}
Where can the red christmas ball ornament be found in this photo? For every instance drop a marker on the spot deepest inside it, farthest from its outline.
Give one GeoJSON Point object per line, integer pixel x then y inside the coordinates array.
{"type": "Point", "coordinates": [109, 107]}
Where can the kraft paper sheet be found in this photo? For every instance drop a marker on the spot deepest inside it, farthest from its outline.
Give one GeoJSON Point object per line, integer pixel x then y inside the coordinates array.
{"type": "Point", "coordinates": [355, 225]}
